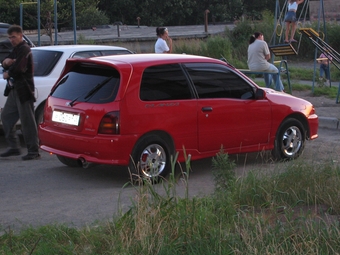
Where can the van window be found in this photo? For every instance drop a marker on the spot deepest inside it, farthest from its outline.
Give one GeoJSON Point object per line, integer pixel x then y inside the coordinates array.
{"type": "Point", "coordinates": [44, 61]}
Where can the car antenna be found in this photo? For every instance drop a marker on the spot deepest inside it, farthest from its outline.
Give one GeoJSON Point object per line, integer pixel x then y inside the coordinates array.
{"type": "Point", "coordinates": [225, 60]}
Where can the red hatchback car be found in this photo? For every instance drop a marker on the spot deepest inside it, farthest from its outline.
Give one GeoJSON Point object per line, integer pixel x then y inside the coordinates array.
{"type": "Point", "coordinates": [138, 110]}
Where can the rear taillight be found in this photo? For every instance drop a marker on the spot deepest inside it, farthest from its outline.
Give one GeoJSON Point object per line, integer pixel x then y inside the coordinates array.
{"type": "Point", "coordinates": [109, 124]}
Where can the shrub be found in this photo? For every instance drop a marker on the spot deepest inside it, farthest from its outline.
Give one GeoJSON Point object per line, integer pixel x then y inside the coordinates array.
{"type": "Point", "coordinates": [91, 17]}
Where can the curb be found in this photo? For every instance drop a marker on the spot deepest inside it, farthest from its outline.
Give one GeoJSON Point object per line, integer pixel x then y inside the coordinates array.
{"type": "Point", "coordinates": [329, 122]}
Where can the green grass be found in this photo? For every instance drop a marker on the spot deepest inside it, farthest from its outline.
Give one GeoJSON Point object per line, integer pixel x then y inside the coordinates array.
{"type": "Point", "coordinates": [260, 213]}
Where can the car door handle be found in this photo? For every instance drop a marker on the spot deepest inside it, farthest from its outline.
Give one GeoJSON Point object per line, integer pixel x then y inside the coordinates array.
{"type": "Point", "coordinates": [207, 109]}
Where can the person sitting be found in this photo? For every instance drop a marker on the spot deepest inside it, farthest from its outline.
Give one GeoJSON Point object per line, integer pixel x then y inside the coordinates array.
{"type": "Point", "coordinates": [258, 56]}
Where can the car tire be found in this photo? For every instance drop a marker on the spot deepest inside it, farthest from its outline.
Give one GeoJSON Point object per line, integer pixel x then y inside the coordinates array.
{"type": "Point", "coordinates": [150, 159]}
{"type": "Point", "coordinates": [290, 140]}
{"type": "Point", "coordinates": [69, 161]}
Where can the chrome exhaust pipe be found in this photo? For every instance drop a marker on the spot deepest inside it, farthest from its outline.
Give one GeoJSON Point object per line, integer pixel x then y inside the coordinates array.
{"type": "Point", "coordinates": [84, 164]}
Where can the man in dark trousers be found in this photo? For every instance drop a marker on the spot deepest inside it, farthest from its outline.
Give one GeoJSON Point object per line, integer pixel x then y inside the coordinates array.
{"type": "Point", "coordinates": [18, 71]}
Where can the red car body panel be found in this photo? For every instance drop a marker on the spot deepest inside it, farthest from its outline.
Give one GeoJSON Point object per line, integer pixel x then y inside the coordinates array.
{"type": "Point", "coordinates": [238, 125]}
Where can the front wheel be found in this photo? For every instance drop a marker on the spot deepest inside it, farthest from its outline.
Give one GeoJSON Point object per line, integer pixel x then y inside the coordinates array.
{"type": "Point", "coordinates": [150, 159]}
{"type": "Point", "coordinates": [290, 140]}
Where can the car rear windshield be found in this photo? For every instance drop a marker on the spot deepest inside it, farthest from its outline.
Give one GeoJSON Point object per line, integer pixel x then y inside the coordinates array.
{"type": "Point", "coordinates": [88, 83]}
{"type": "Point", "coordinates": [44, 61]}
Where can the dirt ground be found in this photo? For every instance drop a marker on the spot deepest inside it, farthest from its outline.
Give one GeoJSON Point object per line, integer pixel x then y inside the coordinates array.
{"type": "Point", "coordinates": [325, 107]}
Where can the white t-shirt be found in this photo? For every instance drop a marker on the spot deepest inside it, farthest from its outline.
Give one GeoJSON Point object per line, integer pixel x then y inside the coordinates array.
{"type": "Point", "coordinates": [256, 56]}
{"type": "Point", "coordinates": [161, 46]}
{"type": "Point", "coordinates": [292, 6]}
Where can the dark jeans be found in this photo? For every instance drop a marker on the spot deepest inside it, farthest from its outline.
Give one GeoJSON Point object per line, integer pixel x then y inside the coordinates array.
{"type": "Point", "coordinates": [324, 69]}
{"type": "Point", "coordinates": [11, 113]}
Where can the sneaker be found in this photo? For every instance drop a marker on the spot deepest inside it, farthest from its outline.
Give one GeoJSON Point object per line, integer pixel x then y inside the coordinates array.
{"type": "Point", "coordinates": [10, 152]}
{"type": "Point", "coordinates": [31, 156]}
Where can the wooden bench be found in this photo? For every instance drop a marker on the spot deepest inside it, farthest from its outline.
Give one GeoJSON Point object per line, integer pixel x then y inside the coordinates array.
{"type": "Point", "coordinates": [282, 70]}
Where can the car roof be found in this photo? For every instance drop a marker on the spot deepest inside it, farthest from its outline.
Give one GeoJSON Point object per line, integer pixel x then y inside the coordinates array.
{"type": "Point", "coordinates": [150, 58]}
{"type": "Point", "coordinates": [82, 47]}
{"type": "Point", "coordinates": [4, 25]}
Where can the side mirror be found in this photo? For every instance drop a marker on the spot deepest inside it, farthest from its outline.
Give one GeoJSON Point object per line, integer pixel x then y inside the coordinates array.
{"type": "Point", "coordinates": [260, 94]}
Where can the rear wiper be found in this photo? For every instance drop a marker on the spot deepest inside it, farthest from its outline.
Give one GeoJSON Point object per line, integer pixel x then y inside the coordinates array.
{"type": "Point", "coordinates": [92, 91]}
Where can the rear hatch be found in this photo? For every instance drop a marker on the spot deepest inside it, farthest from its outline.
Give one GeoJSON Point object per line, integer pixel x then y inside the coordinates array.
{"type": "Point", "coordinates": [82, 99]}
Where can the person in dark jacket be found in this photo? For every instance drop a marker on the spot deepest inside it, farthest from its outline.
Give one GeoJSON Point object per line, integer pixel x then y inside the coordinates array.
{"type": "Point", "coordinates": [18, 71]}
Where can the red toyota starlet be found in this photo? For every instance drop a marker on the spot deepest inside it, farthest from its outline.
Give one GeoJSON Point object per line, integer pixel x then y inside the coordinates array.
{"type": "Point", "coordinates": [137, 110]}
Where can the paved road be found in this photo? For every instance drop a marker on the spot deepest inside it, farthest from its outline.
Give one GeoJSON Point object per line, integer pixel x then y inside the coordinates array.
{"type": "Point", "coordinates": [138, 39]}
{"type": "Point", "coordinates": [130, 33]}
{"type": "Point", "coordinates": [40, 192]}
{"type": "Point", "coordinates": [45, 191]}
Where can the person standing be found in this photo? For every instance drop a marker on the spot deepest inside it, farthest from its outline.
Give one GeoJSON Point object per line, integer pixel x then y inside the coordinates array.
{"type": "Point", "coordinates": [290, 19]}
{"type": "Point", "coordinates": [324, 67]}
{"type": "Point", "coordinates": [163, 40]}
{"type": "Point", "coordinates": [18, 68]}
{"type": "Point", "coordinates": [258, 56]}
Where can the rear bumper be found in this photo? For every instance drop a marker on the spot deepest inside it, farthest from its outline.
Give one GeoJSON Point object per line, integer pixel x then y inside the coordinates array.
{"type": "Point", "coordinates": [99, 149]}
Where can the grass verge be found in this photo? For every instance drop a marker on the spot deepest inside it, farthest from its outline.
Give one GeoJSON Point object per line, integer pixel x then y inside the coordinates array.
{"type": "Point", "coordinates": [285, 212]}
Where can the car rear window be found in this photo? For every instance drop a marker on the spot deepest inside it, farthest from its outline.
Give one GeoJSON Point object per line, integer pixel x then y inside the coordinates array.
{"type": "Point", "coordinates": [44, 61]}
{"type": "Point", "coordinates": [89, 83]}
{"type": "Point", "coordinates": [115, 52]}
{"type": "Point", "coordinates": [164, 82]}
{"type": "Point", "coordinates": [98, 53]}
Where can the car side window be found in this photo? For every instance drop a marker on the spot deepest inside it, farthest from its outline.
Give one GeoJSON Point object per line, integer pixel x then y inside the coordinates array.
{"type": "Point", "coordinates": [86, 54]}
{"type": "Point", "coordinates": [218, 81]}
{"type": "Point", "coordinates": [164, 82]}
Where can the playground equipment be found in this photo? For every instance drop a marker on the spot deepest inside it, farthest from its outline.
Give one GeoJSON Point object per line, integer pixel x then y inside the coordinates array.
{"type": "Point", "coordinates": [277, 45]}
{"type": "Point", "coordinates": [318, 38]}
{"type": "Point", "coordinates": [322, 46]}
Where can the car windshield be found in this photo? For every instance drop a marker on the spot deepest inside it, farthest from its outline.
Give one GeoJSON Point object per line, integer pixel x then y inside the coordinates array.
{"type": "Point", "coordinates": [83, 80]}
{"type": "Point", "coordinates": [44, 61]}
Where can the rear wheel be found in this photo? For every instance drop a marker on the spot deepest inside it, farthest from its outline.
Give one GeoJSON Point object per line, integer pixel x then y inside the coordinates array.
{"type": "Point", "coordinates": [69, 161]}
{"type": "Point", "coordinates": [150, 159]}
{"type": "Point", "coordinates": [39, 113]}
{"type": "Point", "coordinates": [290, 140]}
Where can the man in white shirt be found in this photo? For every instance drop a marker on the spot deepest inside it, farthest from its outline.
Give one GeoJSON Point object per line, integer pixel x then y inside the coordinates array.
{"type": "Point", "coordinates": [161, 45]}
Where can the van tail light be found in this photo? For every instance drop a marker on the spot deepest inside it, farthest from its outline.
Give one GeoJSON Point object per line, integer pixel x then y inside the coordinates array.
{"type": "Point", "coordinates": [109, 125]}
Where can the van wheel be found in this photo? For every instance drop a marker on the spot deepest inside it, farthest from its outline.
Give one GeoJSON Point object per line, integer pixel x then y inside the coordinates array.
{"type": "Point", "coordinates": [150, 159]}
{"type": "Point", "coordinates": [290, 140]}
{"type": "Point", "coordinates": [39, 113]}
{"type": "Point", "coordinates": [69, 161]}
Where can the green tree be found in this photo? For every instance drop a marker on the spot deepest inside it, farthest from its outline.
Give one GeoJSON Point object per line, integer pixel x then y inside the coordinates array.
{"type": "Point", "coordinates": [125, 11]}
{"type": "Point", "coordinates": [254, 9]}
{"type": "Point", "coordinates": [91, 17]}
{"type": "Point", "coordinates": [9, 11]}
